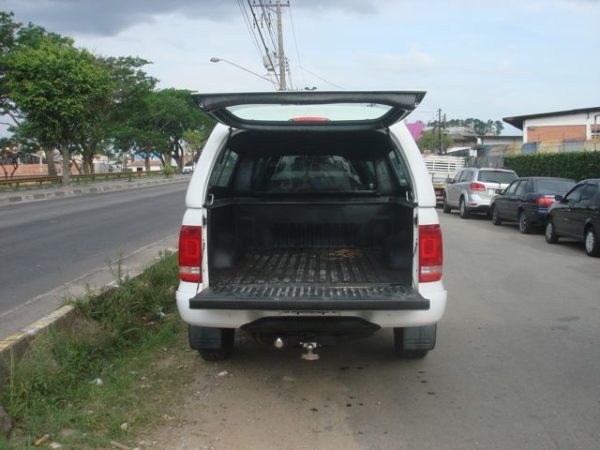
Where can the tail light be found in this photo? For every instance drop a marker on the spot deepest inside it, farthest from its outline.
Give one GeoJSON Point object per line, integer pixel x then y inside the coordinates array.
{"type": "Point", "coordinates": [477, 187]}
{"type": "Point", "coordinates": [190, 254]}
{"type": "Point", "coordinates": [544, 201]}
{"type": "Point", "coordinates": [430, 253]}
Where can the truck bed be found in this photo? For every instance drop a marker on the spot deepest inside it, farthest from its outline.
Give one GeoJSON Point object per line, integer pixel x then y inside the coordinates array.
{"type": "Point", "coordinates": [302, 279]}
{"type": "Point", "coordinates": [331, 266]}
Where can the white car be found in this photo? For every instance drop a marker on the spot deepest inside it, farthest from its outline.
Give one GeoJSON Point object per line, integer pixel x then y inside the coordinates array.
{"type": "Point", "coordinates": [311, 218]}
{"type": "Point", "coordinates": [187, 170]}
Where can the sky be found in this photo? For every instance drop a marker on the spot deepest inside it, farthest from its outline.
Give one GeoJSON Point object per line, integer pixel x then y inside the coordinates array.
{"type": "Point", "coordinates": [475, 58]}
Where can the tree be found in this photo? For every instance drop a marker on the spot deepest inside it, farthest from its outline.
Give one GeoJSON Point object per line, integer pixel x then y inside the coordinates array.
{"type": "Point", "coordinates": [430, 140]}
{"type": "Point", "coordinates": [174, 112]}
{"type": "Point", "coordinates": [195, 140]}
{"type": "Point", "coordinates": [58, 88]}
{"type": "Point", "coordinates": [129, 85]}
{"type": "Point", "coordinates": [477, 126]}
{"type": "Point", "coordinates": [15, 36]}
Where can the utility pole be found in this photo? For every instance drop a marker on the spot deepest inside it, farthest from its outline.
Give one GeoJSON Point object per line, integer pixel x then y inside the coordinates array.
{"type": "Point", "coordinates": [282, 86]}
{"type": "Point", "coordinates": [274, 57]}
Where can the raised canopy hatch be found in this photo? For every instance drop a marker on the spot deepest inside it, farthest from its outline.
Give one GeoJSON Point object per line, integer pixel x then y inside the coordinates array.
{"type": "Point", "coordinates": [309, 110]}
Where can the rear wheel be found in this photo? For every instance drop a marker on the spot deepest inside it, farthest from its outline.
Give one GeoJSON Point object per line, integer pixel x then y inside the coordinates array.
{"type": "Point", "coordinates": [213, 344]}
{"type": "Point", "coordinates": [446, 207]}
{"type": "Point", "coordinates": [524, 224]}
{"type": "Point", "coordinates": [550, 233]}
{"type": "Point", "coordinates": [592, 242]}
{"type": "Point", "coordinates": [496, 216]}
{"type": "Point", "coordinates": [414, 342]}
{"type": "Point", "coordinates": [462, 209]}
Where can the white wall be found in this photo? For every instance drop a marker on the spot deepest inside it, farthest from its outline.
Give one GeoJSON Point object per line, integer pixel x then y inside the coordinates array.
{"type": "Point", "coordinates": [586, 119]}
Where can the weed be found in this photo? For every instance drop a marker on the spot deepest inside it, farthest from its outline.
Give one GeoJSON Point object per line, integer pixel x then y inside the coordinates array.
{"type": "Point", "coordinates": [94, 375]}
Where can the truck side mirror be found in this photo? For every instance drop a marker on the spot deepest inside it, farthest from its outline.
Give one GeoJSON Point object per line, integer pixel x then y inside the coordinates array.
{"type": "Point", "coordinates": [559, 198]}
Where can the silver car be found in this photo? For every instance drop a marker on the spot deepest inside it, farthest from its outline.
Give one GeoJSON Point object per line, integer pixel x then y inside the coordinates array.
{"type": "Point", "coordinates": [472, 189]}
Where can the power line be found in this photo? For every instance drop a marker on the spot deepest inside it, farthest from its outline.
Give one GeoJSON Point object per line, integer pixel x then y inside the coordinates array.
{"type": "Point", "coordinates": [322, 79]}
{"type": "Point", "coordinates": [248, 26]}
{"type": "Point", "coordinates": [247, 21]}
{"type": "Point", "coordinates": [296, 45]}
{"type": "Point", "coordinates": [263, 42]}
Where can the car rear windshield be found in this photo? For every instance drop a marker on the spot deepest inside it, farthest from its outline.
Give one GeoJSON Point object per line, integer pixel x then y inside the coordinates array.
{"type": "Point", "coordinates": [313, 173]}
{"type": "Point", "coordinates": [553, 186]}
{"type": "Point", "coordinates": [496, 176]}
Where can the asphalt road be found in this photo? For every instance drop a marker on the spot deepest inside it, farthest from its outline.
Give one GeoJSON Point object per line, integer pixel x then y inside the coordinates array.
{"type": "Point", "coordinates": [45, 244]}
{"type": "Point", "coordinates": [516, 367]}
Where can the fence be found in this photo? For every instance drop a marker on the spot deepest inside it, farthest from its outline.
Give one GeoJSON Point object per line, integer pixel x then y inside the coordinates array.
{"type": "Point", "coordinates": [46, 180]}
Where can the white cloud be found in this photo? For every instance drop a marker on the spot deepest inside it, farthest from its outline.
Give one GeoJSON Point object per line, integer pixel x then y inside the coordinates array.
{"type": "Point", "coordinates": [410, 62]}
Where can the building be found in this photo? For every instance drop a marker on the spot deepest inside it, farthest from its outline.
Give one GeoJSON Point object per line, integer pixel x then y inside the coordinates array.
{"type": "Point", "coordinates": [416, 129]}
{"type": "Point", "coordinates": [575, 125]}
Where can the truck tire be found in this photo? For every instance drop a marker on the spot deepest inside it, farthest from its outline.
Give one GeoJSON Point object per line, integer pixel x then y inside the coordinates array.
{"type": "Point", "coordinates": [213, 344]}
{"type": "Point", "coordinates": [414, 342]}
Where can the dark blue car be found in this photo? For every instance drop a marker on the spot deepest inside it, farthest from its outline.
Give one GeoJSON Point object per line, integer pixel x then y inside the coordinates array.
{"type": "Point", "coordinates": [526, 201]}
{"type": "Point", "coordinates": [577, 216]}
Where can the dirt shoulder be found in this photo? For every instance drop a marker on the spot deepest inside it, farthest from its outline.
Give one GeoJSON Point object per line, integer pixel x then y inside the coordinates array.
{"type": "Point", "coordinates": [261, 399]}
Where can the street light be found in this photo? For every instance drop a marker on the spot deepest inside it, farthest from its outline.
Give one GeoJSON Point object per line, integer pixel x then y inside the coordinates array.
{"type": "Point", "coordinates": [216, 60]}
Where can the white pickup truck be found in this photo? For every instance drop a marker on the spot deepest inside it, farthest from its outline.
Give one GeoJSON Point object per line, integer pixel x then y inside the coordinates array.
{"type": "Point", "coordinates": [442, 168]}
{"type": "Point", "coordinates": [310, 217]}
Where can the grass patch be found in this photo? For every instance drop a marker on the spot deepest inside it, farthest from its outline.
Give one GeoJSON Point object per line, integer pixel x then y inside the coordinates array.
{"type": "Point", "coordinates": [112, 366]}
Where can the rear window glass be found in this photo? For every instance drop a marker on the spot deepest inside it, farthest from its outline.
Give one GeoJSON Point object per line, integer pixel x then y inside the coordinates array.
{"type": "Point", "coordinates": [326, 112]}
{"type": "Point", "coordinates": [313, 173]}
{"type": "Point", "coordinates": [496, 176]}
{"type": "Point", "coordinates": [553, 186]}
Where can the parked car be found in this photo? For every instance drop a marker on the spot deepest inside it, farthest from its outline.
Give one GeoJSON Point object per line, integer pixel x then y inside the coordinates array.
{"type": "Point", "coordinates": [310, 218]}
{"type": "Point", "coordinates": [439, 185]}
{"type": "Point", "coordinates": [526, 201]}
{"type": "Point", "coordinates": [187, 169]}
{"type": "Point", "coordinates": [472, 189]}
{"type": "Point", "coordinates": [577, 216]}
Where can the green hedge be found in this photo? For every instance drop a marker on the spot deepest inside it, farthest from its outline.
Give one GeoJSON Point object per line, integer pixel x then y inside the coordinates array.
{"type": "Point", "coordinates": [577, 165]}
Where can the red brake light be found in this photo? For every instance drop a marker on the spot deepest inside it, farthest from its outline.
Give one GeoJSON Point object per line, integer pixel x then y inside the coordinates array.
{"type": "Point", "coordinates": [544, 201]}
{"type": "Point", "coordinates": [430, 253]}
{"type": "Point", "coordinates": [477, 187]}
{"type": "Point", "coordinates": [190, 254]}
{"type": "Point", "coordinates": [309, 119]}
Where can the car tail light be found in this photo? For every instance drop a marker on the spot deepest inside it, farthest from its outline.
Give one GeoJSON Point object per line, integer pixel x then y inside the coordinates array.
{"type": "Point", "coordinates": [544, 201]}
{"type": "Point", "coordinates": [430, 253]}
{"type": "Point", "coordinates": [190, 254]}
{"type": "Point", "coordinates": [477, 187]}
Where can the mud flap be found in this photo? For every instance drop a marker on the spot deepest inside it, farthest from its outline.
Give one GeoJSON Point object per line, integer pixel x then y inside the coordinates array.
{"type": "Point", "coordinates": [419, 338]}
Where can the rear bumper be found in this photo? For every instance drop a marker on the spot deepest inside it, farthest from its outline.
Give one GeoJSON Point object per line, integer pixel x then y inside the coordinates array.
{"type": "Point", "coordinates": [476, 202]}
{"type": "Point", "coordinates": [537, 216]}
{"type": "Point", "coordinates": [432, 293]}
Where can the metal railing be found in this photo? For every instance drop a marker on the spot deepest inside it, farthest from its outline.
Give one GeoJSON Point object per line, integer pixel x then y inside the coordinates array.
{"type": "Point", "coordinates": [75, 178]}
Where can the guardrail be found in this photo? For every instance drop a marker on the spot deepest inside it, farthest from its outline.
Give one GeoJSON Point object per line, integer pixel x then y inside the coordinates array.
{"type": "Point", "coordinates": [46, 180]}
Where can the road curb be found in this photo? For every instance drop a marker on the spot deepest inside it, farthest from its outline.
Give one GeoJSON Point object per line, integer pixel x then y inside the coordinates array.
{"type": "Point", "coordinates": [76, 191]}
{"type": "Point", "coordinates": [14, 346]}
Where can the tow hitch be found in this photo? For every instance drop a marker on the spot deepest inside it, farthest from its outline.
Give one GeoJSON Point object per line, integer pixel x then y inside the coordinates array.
{"type": "Point", "coordinates": [308, 351]}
